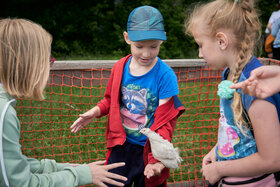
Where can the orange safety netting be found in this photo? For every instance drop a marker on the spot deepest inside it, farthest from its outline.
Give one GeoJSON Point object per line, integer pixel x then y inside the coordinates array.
{"type": "Point", "coordinates": [45, 131]}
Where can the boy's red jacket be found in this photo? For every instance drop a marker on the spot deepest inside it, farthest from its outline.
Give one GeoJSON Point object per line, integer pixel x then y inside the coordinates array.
{"type": "Point", "coordinates": [164, 124]}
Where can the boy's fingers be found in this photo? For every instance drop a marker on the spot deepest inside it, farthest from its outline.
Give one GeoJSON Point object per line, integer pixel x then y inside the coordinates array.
{"type": "Point", "coordinates": [82, 115]}
{"type": "Point", "coordinates": [150, 174]}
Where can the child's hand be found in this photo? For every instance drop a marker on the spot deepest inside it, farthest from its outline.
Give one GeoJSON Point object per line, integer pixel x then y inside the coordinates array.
{"type": "Point", "coordinates": [211, 173]}
{"type": "Point", "coordinates": [85, 119]}
{"type": "Point", "coordinates": [210, 157]}
{"type": "Point", "coordinates": [100, 173]}
{"type": "Point", "coordinates": [262, 83]}
{"type": "Point", "coordinates": [153, 169]}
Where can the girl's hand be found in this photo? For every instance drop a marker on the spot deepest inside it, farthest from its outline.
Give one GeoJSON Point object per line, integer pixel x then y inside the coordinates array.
{"type": "Point", "coordinates": [100, 173]}
{"type": "Point", "coordinates": [211, 173]}
{"type": "Point", "coordinates": [210, 157]}
{"type": "Point", "coordinates": [153, 169]}
{"type": "Point", "coordinates": [85, 119]}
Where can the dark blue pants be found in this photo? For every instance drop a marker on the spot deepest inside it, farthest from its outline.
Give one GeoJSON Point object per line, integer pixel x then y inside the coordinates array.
{"type": "Point", "coordinates": [134, 167]}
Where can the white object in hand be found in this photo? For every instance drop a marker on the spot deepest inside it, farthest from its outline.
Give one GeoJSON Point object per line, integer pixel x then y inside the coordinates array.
{"type": "Point", "coordinates": [162, 149]}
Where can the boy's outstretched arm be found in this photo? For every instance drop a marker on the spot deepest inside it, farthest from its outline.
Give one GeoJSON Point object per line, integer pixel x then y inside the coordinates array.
{"type": "Point", "coordinates": [262, 83]}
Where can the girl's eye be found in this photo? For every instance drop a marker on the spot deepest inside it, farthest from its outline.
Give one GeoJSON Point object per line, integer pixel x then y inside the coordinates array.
{"type": "Point", "coordinates": [139, 47]}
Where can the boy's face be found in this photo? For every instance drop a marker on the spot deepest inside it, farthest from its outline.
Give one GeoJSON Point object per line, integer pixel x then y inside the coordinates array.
{"type": "Point", "coordinates": [144, 52]}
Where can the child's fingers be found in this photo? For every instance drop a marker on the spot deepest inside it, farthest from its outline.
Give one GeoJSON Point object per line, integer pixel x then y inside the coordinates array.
{"type": "Point", "coordinates": [76, 122]}
{"type": "Point", "coordinates": [150, 174]}
{"type": "Point", "coordinates": [99, 162]}
{"type": "Point", "coordinates": [238, 85]}
{"type": "Point", "coordinates": [115, 165]}
{"type": "Point", "coordinates": [256, 73]}
{"type": "Point", "coordinates": [85, 115]}
{"type": "Point", "coordinates": [76, 129]}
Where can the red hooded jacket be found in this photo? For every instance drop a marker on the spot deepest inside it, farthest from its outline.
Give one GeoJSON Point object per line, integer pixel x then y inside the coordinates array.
{"type": "Point", "coordinates": [164, 124]}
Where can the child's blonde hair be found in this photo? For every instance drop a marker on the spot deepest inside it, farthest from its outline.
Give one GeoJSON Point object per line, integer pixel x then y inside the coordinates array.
{"type": "Point", "coordinates": [240, 18]}
{"type": "Point", "coordinates": [24, 57]}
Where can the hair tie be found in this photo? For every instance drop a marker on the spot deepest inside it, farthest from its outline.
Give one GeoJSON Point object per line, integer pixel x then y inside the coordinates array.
{"type": "Point", "coordinates": [224, 91]}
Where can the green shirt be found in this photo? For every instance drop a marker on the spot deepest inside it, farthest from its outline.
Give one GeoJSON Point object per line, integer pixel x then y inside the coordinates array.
{"type": "Point", "coordinates": [28, 172]}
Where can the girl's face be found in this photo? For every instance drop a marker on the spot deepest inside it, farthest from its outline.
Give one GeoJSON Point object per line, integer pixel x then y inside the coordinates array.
{"type": "Point", "coordinates": [209, 49]}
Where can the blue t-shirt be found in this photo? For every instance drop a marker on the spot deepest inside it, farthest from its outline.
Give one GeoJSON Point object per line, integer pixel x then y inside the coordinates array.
{"type": "Point", "coordinates": [140, 97]}
{"type": "Point", "coordinates": [232, 144]}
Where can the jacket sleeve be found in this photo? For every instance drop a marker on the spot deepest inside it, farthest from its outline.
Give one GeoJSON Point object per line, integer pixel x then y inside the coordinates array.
{"type": "Point", "coordinates": [28, 172]}
{"type": "Point", "coordinates": [104, 104]}
{"type": "Point", "coordinates": [166, 116]}
{"type": "Point", "coordinates": [113, 87]}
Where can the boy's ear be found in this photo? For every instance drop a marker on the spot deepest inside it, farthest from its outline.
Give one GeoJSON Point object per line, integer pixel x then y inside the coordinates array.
{"type": "Point", "coordinates": [222, 40]}
{"type": "Point", "coordinates": [127, 40]}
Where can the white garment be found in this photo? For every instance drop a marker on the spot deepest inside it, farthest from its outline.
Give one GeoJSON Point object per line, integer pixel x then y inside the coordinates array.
{"type": "Point", "coordinates": [274, 16]}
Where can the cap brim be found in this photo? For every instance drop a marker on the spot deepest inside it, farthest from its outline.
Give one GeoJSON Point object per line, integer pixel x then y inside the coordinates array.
{"type": "Point", "coordinates": [146, 35]}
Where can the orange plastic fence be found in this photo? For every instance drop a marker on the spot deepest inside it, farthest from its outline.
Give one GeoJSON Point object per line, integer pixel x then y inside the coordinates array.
{"type": "Point", "coordinates": [45, 126]}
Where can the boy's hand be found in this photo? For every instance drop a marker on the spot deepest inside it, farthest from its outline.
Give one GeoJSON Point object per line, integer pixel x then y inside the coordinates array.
{"type": "Point", "coordinates": [153, 169]}
{"type": "Point", "coordinates": [85, 119]}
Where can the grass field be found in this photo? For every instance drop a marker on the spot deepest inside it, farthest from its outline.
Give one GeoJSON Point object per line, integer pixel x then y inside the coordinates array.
{"type": "Point", "coordinates": [46, 133]}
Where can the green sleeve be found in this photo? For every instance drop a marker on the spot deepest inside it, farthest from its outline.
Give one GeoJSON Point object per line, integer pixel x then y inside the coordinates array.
{"type": "Point", "coordinates": [27, 172]}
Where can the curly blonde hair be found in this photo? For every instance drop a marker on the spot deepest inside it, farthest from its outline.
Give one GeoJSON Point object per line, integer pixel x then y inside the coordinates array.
{"type": "Point", "coordinates": [241, 19]}
{"type": "Point", "coordinates": [24, 57]}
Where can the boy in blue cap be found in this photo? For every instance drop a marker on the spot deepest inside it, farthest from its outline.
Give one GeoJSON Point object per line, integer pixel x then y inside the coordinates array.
{"type": "Point", "coordinates": [141, 93]}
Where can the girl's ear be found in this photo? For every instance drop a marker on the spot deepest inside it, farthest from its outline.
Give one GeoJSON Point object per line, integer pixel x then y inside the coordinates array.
{"type": "Point", "coordinates": [222, 40]}
{"type": "Point", "coordinates": [127, 40]}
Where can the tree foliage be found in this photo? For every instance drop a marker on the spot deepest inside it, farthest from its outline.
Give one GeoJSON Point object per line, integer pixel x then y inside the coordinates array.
{"type": "Point", "coordinates": [92, 28]}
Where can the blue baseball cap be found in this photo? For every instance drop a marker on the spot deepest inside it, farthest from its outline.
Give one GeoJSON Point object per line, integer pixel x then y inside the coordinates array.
{"type": "Point", "coordinates": [145, 23]}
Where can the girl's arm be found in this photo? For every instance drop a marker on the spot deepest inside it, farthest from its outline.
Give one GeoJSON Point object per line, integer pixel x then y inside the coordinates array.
{"type": "Point", "coordinates": [22, 171]}
{"type": "Point", "coordinates": [266, 127]}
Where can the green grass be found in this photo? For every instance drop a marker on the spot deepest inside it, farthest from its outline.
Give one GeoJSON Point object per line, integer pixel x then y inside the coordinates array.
{"type": "Point", "coordinates": [46, 126]}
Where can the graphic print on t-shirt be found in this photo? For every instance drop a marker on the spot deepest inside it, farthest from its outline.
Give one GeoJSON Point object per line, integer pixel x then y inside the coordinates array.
{"type": "Point", "coordinates": [135, 111]}
{"type": "Point", "coordinates": [227, 138]}
{"type": "Point", "coordinates": [133, 114]}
